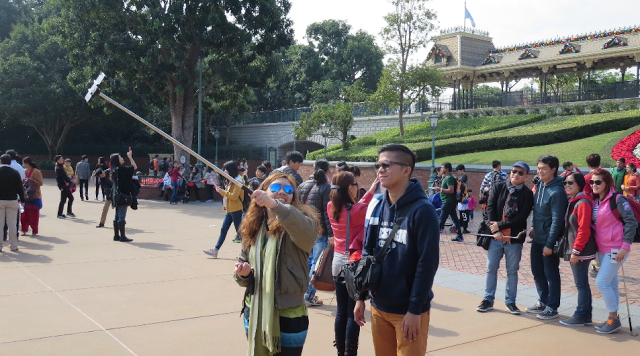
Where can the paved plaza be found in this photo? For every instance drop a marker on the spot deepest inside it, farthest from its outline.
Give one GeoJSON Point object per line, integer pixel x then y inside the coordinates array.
{"type": "Point", "coordinates": [74, 291]}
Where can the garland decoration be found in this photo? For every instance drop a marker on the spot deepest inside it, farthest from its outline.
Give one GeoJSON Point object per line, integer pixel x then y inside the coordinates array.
{"type": "Point", "coordinates": [435, 50]}
{"type": "Point", "coordinates": [615, 40]}
{"type": "Point", "coordinates": [490, 59]}
{"type": "Point", "coordinates": [527, 53]}
{"type": "Point", "coordinates": [569, 47]}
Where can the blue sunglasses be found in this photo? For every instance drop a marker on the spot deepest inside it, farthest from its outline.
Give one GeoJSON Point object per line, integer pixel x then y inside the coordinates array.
{"type": "Point", "coordinates": [275, 187]}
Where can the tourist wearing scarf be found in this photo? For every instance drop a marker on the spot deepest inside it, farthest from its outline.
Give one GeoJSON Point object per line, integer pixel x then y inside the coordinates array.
{"type": "Point", "coordinates": [278, 233]}
{"type": "Point", "coordinates": [508, 207]}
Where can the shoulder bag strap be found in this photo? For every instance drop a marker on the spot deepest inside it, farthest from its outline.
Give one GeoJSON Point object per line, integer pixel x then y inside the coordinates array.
{"type": "Point", "coordinates": [346, 247]}
{"type": "Point", "coordinates": [309, 194]}
{"type": "Point", "coordinates": [385, 248]}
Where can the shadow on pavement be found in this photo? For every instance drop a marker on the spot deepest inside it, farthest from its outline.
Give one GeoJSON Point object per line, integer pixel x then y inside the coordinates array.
{"type": "Point", "coordinates": [50, 239]}
{"type": "Point", "coordinates": [34, 246]}
{"type": "Point", "coordinates": [154, 246]}
{"type": "Point", "coordinates": [24, 257]}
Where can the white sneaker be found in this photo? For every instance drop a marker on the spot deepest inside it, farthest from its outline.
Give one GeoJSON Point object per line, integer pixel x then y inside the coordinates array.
{"type": "Point", "coordinates": [213, 252]}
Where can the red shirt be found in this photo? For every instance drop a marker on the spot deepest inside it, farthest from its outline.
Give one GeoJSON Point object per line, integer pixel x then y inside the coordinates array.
{"type": "Point", "coordinates": [356, 229]}
{"type": "Point", "coordinates": [175, 175]}
{"type": "Point", "coordinates": [587, 187]}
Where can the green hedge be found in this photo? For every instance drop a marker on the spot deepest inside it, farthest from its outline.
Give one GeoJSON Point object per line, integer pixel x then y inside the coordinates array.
{"type": "Point", "coordinates": [448, 128]}
{"type": "Point", "coordinates": [548, 131]}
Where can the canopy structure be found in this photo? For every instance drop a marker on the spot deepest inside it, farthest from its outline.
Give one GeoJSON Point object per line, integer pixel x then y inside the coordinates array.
{"type": "Point", "coordinates": [468, 57]}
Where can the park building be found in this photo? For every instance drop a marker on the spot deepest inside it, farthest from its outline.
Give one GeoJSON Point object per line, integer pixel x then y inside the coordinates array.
{"type": "Point", "coordinates": [467, 57]}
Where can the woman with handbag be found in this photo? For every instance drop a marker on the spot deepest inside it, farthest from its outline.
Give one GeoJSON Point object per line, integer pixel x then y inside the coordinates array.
{"type": "Point", "coordinates": [122, 192]}
{"type": "Point", "coordinates": [508, 207]}
{"type": "Point", "coordinates": [195, 182]}
{"type": "Point", "coordinates": [580, 246]}
{"type": "Point", "coordinates": [631, 182]}
{"type": "Point", "coordinates": [614, 238]}
{"type": "Point", "coordinates": [278, 234]}
{"type": "Point", "coordinates": [347, 222]}
{"type": "Point", "coordinates": [33, 182]}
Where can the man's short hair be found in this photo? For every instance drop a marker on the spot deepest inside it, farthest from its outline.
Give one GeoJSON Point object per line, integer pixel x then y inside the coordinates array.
{"type": "Point", "coordinates": [5, 159]}
{"type": "Point", "coordinates": [56, 158]}
{"type": "Point", "coordinates": [447, 166]}
{"type": "Point", "coordinates": [294, 156]}
{"type": "Point", "coordinates": [566, 165]}
{"type": "Point", "coordinates": [12, 153]}
{"type": "Point", "coordinates": [262, 169]}
{"type": "Point", "coordinates": [84, 157]}
{"type": "Point", "coordinates": [460, 167]}
{"type": "Point", "coordinates": [495, 164]}
{"type": "Point", "coordinates": [404, 153]}
{"type": "Point", "coordinates": [341, 164]}
{"type": "Point", "coordinates": [551, 161]}
{"type": "Point", "coordinates": [621, 159]}
{"type": "Point", "coordinates": [593, 160]}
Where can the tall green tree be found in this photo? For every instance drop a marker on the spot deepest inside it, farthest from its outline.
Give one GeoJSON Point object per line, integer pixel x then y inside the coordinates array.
{"type": "Point", "coordinates": [159, 43]}
{"type": "Point", "coordinates": [33, 85]}
{"type": "Point", "coordinates": [407, 30]}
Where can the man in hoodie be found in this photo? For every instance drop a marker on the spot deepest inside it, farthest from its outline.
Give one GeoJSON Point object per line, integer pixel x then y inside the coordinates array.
{"type": "Point", "coordinates": [83, 171]}
{"type": "Point", "coordinates": [550, 205]}
{"type": "Point", "coordinates": [400, 308]}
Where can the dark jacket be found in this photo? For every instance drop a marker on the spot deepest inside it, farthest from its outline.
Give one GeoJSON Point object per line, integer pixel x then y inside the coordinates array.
{"type": "Point", "coordinates": [288, 170]}
{"type": "Point", "coordinates": [294, 247]}
{"type": "Point", "coordinates": [412, 260]}
{"type": "Point", "coordinates": [317, 195]}
{"type": "Point", "coordinates": [10, 184]}
{"type": "Point", "coordinates": [550, 205]}
{"type": "Point", "coordinates": [495, 208]}
{"type": "Point", "coordinates": [581, 237]}
{"type": "Point", "coordinates": [61, 177]}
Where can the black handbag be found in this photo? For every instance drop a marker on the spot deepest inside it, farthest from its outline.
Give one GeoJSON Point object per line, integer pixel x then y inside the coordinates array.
{"type": "Point", "coordinates": [124, 199]}
{"type": "Point", "coordinates": [559, 248]}
{"type": "Point", "coordinates": [484, 241]}
{"type": "Point", "coordinates": [363, 276]}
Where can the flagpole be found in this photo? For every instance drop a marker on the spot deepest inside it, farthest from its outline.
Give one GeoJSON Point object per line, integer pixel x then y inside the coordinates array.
{"type": "Point", "coordinates": [464, 23]}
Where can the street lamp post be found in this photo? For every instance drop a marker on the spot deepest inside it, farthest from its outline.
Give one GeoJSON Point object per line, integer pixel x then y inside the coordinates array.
{"type": "Point", "coordinates": [216, 134]}
{"type": "Point", "coordinates": [434, 124]}
{"type": "Point", "coordinates": [199, 164]}
{"type": "Point", "coordinates": [324, 129]}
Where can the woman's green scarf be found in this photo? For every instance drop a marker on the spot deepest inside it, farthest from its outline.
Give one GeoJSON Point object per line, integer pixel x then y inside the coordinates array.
{"type": "Point", "coordinates": [264, 321]}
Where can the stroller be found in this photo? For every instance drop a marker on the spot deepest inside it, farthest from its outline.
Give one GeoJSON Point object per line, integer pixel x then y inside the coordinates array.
{"type": "Point", "coordinates": [183, 191]}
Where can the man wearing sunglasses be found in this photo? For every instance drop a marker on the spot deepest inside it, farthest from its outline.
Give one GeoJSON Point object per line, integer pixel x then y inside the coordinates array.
{"type": "Point", "coordinates": [400, 307]}
{"type": "Point", "coordinates": [548, 223]}
{"type": "Point", "coordinates": [448, 197]}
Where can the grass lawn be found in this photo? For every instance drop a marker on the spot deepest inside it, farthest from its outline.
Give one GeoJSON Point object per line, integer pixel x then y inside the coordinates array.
{"type": "Point", "coordinates": [574, 151]}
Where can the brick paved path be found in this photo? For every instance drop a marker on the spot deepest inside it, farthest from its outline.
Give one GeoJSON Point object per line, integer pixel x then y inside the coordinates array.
{"type": "Point", "coordinates": [469, 258]}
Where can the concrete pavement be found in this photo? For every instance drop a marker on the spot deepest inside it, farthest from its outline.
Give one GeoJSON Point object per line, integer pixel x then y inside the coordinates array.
{"type": "Point", "coordinates": [73, 291]}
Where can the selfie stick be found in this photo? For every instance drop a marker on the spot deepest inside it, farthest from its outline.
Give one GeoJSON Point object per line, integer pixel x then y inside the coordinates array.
{"type": "Point", "coordinates": [95, 89]}
{"type": "Point", "coordinates": [626, 298]}
{"type": "Point", "coordinates": [489, 235]}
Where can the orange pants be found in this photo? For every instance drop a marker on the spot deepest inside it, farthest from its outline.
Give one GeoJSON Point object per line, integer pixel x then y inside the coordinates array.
{"type": "Point", "coordinates": [388, 338]}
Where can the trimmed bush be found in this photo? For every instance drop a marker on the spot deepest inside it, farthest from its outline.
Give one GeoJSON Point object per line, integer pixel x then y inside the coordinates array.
{"type": "Point", "coordinates": [578, 109]}
{"type": "Point", "coordinates": [564, 110]}
{"type": "Point", "coordinates": [520, 110]}
{"type": "Point", "coordinates": [611, 106]}
{"type": "Point", "coordinates": [595, 108]}
{"type": "Point", "coordinates": [450, 115]}
{"type": "Point", "coordinates": [503, 112]}
{"type": "Point", "coordinates": [551, 110]}
{"type": "Point", "coordinates": [464, 115]}
{"type": "Point", "coordinates": [475, 114]}
{"type": "Point", "coordinates": [488, 113]}
{"type": "Point", "coordinates": [534, 111]}
{"type": "Point", "coordinates": [630, 105]}
{"type": "Point", "coordinates": [551, 130]}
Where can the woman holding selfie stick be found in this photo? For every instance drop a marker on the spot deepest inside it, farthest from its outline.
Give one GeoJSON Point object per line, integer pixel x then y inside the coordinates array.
{"type": "Point", "coordinates": [614, 239]}
{"type": "Point", "coordinates": [122, 178]}
{"type": "Point", "coordinates": [278, 234]}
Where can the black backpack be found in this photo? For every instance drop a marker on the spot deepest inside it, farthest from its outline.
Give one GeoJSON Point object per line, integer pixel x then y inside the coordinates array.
{"type": "Point", "coordinates": [496, 177]}
{"type": "Point", "coordinates": [246, 201]}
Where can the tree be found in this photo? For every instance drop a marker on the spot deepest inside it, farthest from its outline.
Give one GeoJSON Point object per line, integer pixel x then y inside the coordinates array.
{"type": "Point", "coordinates": [33, 85]}
{"type": "Point", "coordinates": [559, 82]}
{"type": "Point", "coordinates": [159, 44]}
{"type": "Point", "coordinates": [408, 29]}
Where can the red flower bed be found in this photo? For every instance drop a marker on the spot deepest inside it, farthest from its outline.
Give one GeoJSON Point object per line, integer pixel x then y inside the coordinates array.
{"type": "Point", "coordinates": [624, 148]}
{"type": "Point", "coordinates": [154, 181]}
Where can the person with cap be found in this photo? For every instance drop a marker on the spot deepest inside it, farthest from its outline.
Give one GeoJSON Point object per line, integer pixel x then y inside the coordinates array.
{"type": "Point", "coordinates": [509, 205]}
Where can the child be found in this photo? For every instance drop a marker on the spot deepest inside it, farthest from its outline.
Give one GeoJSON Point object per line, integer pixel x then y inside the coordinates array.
{"type": "Point", "coordinates": [68, 168]}
{"type": "Point", "coordinates": [472, 205]}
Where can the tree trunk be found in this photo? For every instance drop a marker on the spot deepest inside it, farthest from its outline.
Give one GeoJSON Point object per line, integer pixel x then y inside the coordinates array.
{"type": "Point", "coordinates": [345, 140]}
{"type": "Point", "coordinates": [182, 107]}
{"type": "Point", "coordinates": [401, 112]}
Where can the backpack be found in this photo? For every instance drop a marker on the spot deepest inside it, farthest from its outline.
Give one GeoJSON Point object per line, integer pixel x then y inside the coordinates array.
{"type": "Point", "coordinates": [245, 198]}
{"type": "Point", "coordinates": [462, 196]}
{"type": "Point", "coordinates": [496, 177]}
{"type": "Point", "coordinates": [30, 188]}
{"type": "Point", "coordinates": [635, 207]}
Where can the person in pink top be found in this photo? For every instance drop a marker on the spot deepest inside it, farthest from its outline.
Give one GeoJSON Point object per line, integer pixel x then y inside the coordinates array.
{"type": "Point", "coordinates": [614, 238]}
{"type": "Point", "coordinates": [342, 209]}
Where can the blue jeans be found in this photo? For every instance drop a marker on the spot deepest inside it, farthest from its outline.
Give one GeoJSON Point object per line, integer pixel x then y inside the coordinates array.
{"type": "Point", "coordinates": [546, 274]}
{"type": "Point", "coordinates": [512, 253]}
{"type": "Point", "coordinates": [607, 281]}
{"type": "Point", "coordinates": [236, 218]}
{"type": "Point", "coordinates": [321, 243]}
{"type": "Point", "coordinates": [174, 192]}
{"type": "Point", "coordinates": [121, 213]}
{"type": "Point", "coordinates": [449, 209]}
{"type": "Point", "coordinates": [581, 277]}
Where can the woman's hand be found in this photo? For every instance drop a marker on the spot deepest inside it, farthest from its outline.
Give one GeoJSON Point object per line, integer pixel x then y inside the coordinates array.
{"type": "Point", "coordinates": [494, 226]}
{"type": "Point", "coordinates": [358, 313]}
{"type": "Point", "coordinates": [621, 255]}
{"type": "Point", "coordinates": [263, 199]}
{"type": "Point", "coordinates": [574, 259]}
{"type": "Point", "coordinates": [498, 236]}
{"type": "Point", "coordinates": [243, 269]}
{"type": "Point", "coordinates": [330, 241]}
{"type": "Point", "coordinates": [130, 154]}
{"type": "Point", "coordinates": [374, 185]}
{"type": "Point", "coordinates": [623, 187]}
{"type": "Point", "coordinates": [218, 189]}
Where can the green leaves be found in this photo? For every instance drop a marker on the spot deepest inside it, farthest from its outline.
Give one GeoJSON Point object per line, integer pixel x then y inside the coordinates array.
{"type": "Point", "coordinates": [338, 115]}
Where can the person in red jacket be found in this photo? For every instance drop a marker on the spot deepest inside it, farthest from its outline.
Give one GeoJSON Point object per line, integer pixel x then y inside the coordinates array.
{"type": "Point", "coordinates": [175, 178]}
{"type": "Point", "coordinates": [344, 191]}
{"type": "Point", "coordinates": [581, 245]}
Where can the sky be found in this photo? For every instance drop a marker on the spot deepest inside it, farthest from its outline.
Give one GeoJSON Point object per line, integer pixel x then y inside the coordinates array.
{"type": "Point", "coordinates": [508, 21]}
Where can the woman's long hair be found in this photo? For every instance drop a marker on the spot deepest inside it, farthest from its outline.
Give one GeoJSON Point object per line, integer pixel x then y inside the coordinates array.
{"type": "Point", "coordinates": [114, 163]}
{"type": "Point", "coordinates": [30, 162]}
{"type": "Point", "coordinates": [321, 167]}
{"type": "Point", "coordinates": [340, 197]}
{"type": "Point", "coordinates": [232, 168]}
{"type": "Point", "coordinates": [606, 177]}
{"type": "Point", "coordinates": [254, 218]}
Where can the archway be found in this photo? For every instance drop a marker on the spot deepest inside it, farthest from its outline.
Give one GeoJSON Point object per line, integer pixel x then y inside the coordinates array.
{"type": "Point", "coordinates": [302, 146]}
